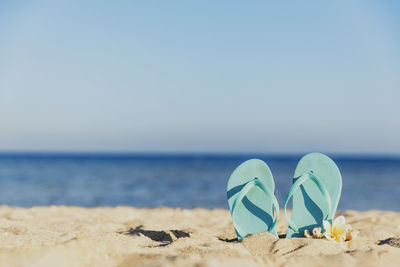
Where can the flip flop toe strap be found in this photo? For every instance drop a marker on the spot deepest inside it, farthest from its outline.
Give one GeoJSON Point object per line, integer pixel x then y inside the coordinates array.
{"type": "Point", "coordinates": [296, 185]}
{"type": "Point", "coordinates": [243, 192]}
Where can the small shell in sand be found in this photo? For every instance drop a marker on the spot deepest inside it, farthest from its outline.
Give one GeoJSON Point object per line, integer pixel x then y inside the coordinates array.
{"type": "Point", "coordinates": [316, 233]}
{"type": "Point", "coordinates": [350, 234]}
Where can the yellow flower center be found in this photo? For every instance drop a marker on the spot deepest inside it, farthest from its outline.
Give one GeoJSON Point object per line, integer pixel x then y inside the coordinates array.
{"type": "Point", "coordinates": [337, 233]}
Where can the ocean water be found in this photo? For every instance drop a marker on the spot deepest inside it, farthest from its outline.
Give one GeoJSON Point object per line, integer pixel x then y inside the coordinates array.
{"type": "Point", "coordinates": [185, 181]}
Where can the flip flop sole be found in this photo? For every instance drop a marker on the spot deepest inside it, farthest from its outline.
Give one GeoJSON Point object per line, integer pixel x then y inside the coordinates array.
{"type": "Point", "coordinates": [309, 205]}
{"type": "Point", "coordinates": [254, 214]}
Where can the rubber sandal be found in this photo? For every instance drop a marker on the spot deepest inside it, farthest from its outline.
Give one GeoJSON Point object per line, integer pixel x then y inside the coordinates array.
{"type": "Point", "coordinates": [315, 191]}
{"type": "Point", "coordinates": [251, 199]}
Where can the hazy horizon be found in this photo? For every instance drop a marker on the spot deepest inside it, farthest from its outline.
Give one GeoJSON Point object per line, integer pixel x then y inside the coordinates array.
{"type": "Point", "coordinates": [187, 154]}
{"type": "Point", "coordinates": [200, 77]}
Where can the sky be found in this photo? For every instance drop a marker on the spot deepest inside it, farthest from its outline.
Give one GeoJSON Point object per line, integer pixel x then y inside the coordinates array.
{"type": "Point", "coordinates": [200, 76]}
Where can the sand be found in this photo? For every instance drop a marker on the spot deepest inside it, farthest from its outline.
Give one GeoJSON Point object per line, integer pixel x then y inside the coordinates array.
{"type": "Point", "coordinates": [126, 236]}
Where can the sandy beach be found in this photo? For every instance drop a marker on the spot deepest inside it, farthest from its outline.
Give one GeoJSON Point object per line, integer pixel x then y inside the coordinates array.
{"type": "Point", "coordinates": [127, 236]}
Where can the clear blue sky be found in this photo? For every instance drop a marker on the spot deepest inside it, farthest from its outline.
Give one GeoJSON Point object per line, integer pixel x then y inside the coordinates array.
{"type": "Point", "coordinates": [206, 76]}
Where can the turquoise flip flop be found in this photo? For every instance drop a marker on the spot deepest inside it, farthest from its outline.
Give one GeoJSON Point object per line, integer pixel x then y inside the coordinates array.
{"type": "Point", "coordinates": [251, 199]}
{"type": "Point", "coordinates": [316, 189]}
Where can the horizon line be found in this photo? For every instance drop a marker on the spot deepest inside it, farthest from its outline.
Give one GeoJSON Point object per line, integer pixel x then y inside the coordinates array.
{"type": "Point", "coordinates": [186, 154]}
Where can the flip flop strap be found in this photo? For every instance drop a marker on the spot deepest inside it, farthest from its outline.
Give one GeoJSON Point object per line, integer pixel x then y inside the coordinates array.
{"type": "Point", "coordinates": [249, 185]}
{"type": "Point", "coordinates": [296, 185]}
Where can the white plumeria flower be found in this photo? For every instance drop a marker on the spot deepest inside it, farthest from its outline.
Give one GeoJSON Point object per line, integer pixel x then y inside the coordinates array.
{"type": "Point", "coordinates": [337, 231]}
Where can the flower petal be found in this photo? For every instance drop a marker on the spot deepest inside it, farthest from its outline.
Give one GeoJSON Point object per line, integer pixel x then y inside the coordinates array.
{"type": "Point", "coordinates": [327, 226]}
{"type": "Point", "coordinates": [339, 220]}
{"type": "Point", "coordinates": [340, 238]}
{"type": "Point", "coordinates": [328, 236]}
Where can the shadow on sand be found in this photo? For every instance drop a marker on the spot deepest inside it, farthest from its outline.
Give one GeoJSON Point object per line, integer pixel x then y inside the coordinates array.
{"type": "Point", "coordinates": [164, 237]}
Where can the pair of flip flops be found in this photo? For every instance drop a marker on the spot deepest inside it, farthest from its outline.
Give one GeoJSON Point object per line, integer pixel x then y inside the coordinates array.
{"type": "Point", "coordinates": [315, 191]}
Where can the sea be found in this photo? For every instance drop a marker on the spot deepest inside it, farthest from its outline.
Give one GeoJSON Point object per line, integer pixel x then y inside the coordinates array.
{"type": "Point", "coordinates": [176, 180]}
